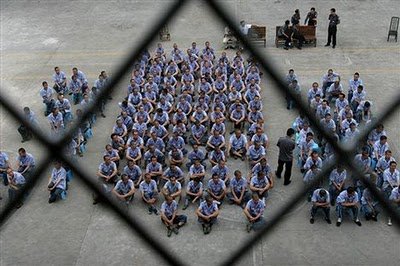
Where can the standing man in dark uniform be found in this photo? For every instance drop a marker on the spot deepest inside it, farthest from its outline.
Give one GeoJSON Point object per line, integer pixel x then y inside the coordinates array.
{"type": "Point", "coordinates": [286, 146]}
{"type": "Point", "coordinates": [311, 18]}
{"type": "Point", "coordinates": [333, 22]}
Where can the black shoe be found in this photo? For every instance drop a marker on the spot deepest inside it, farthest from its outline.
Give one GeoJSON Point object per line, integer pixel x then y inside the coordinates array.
{"type": "Point", "coordinates": [367, 217]}
{"type": "Point", "coordinates": [287, 183]}
{"type": "Point", "coordinates": [248, 227]}
{"type": "Point", "coordinates": [204, 229]}
{"type": "Point", "coordinates": [311, 220]}
{"type": "Point", "coordinates": [358, 222]}
{"type": "Point", "coordinates": [328, 220]}
{"type": "Point", "coordinates": [374, 218]}
{"type": "Point", "coordinates": [333, 47]}
{"type": "Point", "coordinates": [169, 232]}
{"type": "Point", "coordinates": [286, 48]}
{"type": "Point", "coordinates": [19, 205]}
{"type": "Point", "coordinates": [175, 230]}
{"type": "Point", "coordinates": [298, 47]}
{"type": "Point", "coordinates": [95, 202]}
{"type": "Point", "coordinates": [150, 210]}
{"type": "Point", "coordinates": [277, 176]}
{"type": "Point", "coordinates": [185, 207]}
{"type": "Point", "coordinates": [328, 44]}
{"type": "Point", "coordinates": [103, 115]}
{"type": "Point", "coordinates": [338, 223]}
{"type": "Point", "coordinates": [155, 211]}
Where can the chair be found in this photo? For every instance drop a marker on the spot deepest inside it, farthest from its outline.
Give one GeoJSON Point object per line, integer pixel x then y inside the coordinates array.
{"type": "Point", "coordinates": [394, 26]}
{"type": "Point", "coordinates": [164, 33]}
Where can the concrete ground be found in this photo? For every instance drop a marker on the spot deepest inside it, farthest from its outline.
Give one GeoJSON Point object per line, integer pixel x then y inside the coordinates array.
{"type": "Point", "coordinates": [95, 36]}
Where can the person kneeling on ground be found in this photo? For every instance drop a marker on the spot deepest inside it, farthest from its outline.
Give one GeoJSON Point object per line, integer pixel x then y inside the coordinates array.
{"type": "Point", "coordinates": [254, 213]}
{"type": "Point", "coordinates": [207, 214]}
{"type": "Point", "coordinates": [170, 217]}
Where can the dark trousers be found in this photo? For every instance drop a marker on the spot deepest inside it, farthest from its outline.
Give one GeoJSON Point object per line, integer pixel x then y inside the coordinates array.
{"type": "Point", "coordinates": [287, 40]}
{"type": "Point", "coordinates": [55, 194]}
{"type": "Point", "coordinates": [332, 35]}
{"type": "Point", "coordinates": [300, 39]}
{"type": "Point", "coordinates": [326, 211]}
{"type": "Point", "coordinates": [288, 169]}
{"type": "Point", "coordinates": [26, 134]}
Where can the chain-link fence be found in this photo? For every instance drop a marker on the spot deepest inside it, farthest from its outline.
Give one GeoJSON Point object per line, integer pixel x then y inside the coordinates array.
{"type": "Point", "coordinates": [342, 153]}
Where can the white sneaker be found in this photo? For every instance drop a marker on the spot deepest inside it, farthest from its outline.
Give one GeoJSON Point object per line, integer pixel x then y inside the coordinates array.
{"type": "Point", "coordinates": [390, 222]}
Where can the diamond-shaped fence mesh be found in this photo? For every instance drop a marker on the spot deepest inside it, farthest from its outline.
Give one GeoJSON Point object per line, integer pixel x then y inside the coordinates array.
{"type": "Point", "coordinates": [342, 153]}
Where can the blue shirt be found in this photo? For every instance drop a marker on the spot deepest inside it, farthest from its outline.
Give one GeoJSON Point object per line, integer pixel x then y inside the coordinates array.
{"type": "Point", "coordinates": [172, 188]}
{"type": "Point", "coordinates": [46, 94]}
{"type": "Point", "coordinates": [337, 177]}
{"type": "Point", "coordinates": [133, 173]}
{"type": "Point", "coordinates": [238, 185]}
{"type": "Point", "coordinates": [26, 160]}
{"type": "Point", "coordinates": [198, 132]}
{"type": "Point", "coordinates": [255, 153]}
{"type": "Point", "coordinates": [17, 178]}
{"type": "Point", "coordinates": [395, 195]}
{"type": "Point", "coordinates": [238, 143]}
{"type": "Point", "coordinates": [216, 188]}
{"type": "Point", "coordinates": [178, 142]}
{"type": "Point", "coordinates": [196, 155]}
{"type": "Point", "coordinates": [206, 209]}
{"type": "Point", "coordinates": [260, 168]}
{"type": "Point", "coordinates": [346, 198]}
{"type": "Point", "coordinates": [259, 183]}
{"type": "Point", "coordinates": [158, 143]}
{"type": "Point", "coordinates": [216, 141]}
{"type": "Point", "coordinates": [59, 174]}
{"type": "Point", "coordinates": [255, 208]}
{"type": "Point", "coordinates": [3, 160]}
{"type": "Point", "coordinates": [148, 188]}
{"type": "Point", "coordinates": [56, 122]}
{"type": "Point", "coordinates": [222, 172]}
{"type": "Point", "coordinates": [169, 209]}
{"type": "Point", "coordinates": [59, 78]}
{"type": "Point", "coordinates": [153, 167]}
{"type": "Point", "coordinates": [123, 188]}
{"type": "Point", "coordinates": [391, 179]}
{"type": "Point", "coordinates": [196, 169]}
{"type": "Point", "coordinates": [81, 77]}
{"type": "Point", "coordinates": [193, 187]}
{"type": "Point", "coordinates": [317, 198]}
{"type": "Point", "coordinates": [107, 169]}
{"type": "Point", "coordinates": [177, 173]}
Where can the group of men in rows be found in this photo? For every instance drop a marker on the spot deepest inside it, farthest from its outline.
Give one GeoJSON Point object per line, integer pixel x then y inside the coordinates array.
{"type": "Point", "coordinates": [192, 98]}
{"type": "Point", "coordinates": [342, 117]}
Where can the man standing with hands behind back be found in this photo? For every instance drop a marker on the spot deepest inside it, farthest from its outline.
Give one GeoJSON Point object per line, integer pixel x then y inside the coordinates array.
{"type": "Point", "coordinates": [286, 146]}
{"type": "Point", "coordinates": [332, 28]}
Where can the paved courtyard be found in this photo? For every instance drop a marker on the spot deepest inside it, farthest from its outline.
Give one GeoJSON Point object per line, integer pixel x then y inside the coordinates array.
{"type": "Point", "coordinates": [97, 35]}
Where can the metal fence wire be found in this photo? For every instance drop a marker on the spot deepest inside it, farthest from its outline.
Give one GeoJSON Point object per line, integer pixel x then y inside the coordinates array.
{"type": "Point", "coordinates": [342, 153]}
